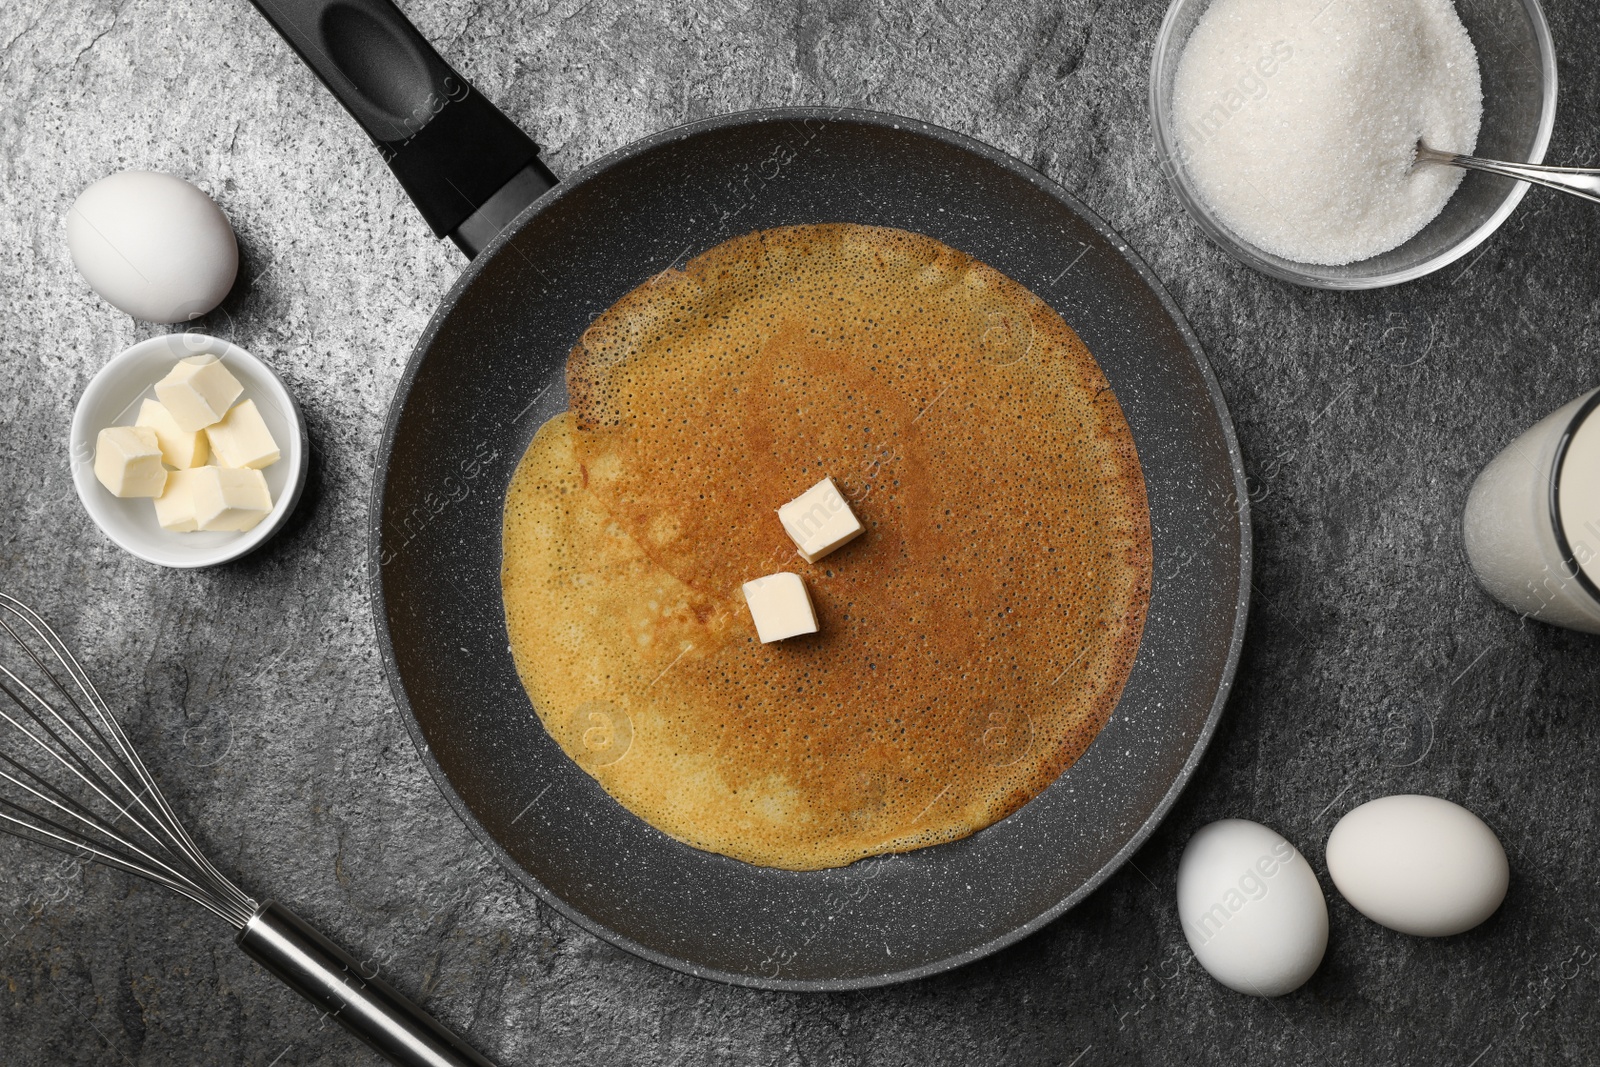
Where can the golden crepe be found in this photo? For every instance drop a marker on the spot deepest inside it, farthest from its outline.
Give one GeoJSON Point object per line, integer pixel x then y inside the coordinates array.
{"type": "Point", "coordinates": [972, 642]}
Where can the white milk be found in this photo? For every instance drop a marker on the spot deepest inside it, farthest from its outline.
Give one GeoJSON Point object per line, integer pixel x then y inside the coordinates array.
{"type": "Point", "coordinates": [1535, 552]}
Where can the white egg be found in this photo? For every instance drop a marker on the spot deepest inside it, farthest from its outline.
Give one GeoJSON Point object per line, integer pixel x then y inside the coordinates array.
{"type": "Point", "coordinates": [1417, 864]}
{"type": "Point", "coordinates": [1251, 908]}
{"type": "Point", "coordinates": [153, 245]}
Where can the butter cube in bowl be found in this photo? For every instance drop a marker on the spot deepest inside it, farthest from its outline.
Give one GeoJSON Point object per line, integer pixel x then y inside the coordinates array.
{"type": "Point", "coordinates": [180, 448]}
{"type": "Point", "coordinates": [127, 461]}
{"type": "Point", "coordinates": [229, 485]}
{"type": "Point", "coordinates": [241, 438]}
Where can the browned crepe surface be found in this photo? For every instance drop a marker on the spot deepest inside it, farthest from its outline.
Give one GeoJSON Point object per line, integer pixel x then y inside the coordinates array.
{"type": "Point", "coordinates": [973, 641]}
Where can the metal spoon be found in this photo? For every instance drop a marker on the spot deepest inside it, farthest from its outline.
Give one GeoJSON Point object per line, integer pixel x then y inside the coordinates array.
{"type": "Point", "coordinates": [1579, 181]}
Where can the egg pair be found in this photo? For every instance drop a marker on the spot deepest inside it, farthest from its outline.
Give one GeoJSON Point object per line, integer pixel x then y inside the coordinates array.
{"type": "Point", "coordinates": [1254, 914]}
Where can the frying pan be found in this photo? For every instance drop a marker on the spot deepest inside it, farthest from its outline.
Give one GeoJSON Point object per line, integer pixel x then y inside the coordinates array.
{"type": "Point", "coordinates": [547, 257]}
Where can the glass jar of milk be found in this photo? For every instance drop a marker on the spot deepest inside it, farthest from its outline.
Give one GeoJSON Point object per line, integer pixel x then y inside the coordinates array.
{"type": "Point", "coordinates": [1532, 524]}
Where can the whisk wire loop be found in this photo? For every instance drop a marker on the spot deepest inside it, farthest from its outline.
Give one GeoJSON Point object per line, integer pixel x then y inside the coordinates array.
{"type": "Point", "coordinates": [70, 780]}
{"type": "Point", "coordinates": [49, 725]}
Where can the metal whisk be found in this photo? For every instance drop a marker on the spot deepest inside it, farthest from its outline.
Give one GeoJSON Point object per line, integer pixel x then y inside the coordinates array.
{"type": "Point", "coordinates": [70, 780]}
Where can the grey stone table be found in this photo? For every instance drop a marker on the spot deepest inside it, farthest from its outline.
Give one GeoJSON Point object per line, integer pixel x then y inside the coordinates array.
{"type": "Point", "coordinates": [1373, 665]}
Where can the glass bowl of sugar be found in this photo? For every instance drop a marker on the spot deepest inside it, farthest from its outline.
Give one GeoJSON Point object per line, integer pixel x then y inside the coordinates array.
{"type": "Point", "coordinates": [1287, 128]}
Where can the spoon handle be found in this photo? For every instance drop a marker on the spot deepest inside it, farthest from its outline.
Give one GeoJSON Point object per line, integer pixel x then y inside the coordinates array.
{"type": "Point", "coordinates": [1579, 181]}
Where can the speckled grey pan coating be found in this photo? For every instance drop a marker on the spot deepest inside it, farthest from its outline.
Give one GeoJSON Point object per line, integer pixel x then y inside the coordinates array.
{"type": "Point", "coordinates": [489, 370]}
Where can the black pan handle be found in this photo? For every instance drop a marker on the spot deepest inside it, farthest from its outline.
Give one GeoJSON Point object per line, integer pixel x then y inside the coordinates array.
{"type": "Point", "coordinates": [469, 169]}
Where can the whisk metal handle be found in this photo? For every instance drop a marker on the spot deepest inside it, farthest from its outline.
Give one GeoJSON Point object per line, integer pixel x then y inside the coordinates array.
{"type": "Point", "coordinates": [370, 1008]}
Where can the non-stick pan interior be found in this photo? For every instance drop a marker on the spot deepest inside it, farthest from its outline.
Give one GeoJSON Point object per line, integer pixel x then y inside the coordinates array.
{"type": "Point", "coordinates": [489, 370]}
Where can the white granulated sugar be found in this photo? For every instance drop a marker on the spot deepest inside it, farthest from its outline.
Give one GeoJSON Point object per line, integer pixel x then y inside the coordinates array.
{"type": "Point", "coordinates": [1298, 120]}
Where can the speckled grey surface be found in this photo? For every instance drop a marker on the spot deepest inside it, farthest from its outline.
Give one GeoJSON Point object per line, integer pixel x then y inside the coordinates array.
{"type": "Point", "coordinates": [1373, 664]}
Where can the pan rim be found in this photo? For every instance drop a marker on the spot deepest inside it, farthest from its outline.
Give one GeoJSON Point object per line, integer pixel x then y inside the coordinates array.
{"type": "Point", "coordinates": [996, 157]}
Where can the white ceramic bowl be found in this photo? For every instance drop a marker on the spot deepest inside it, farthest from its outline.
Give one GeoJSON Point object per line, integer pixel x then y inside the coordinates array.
{"type": "Point", "coordinates": [112, 399]}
